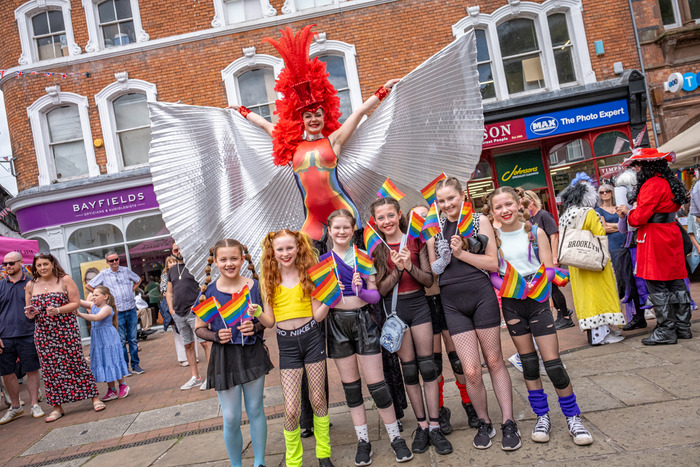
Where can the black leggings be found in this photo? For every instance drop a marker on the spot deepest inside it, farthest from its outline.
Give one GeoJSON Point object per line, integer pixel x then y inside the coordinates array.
{"type": "Point", "coordinates": [468, 308]}
{"type": "Point", "coordinates": [527, 316]}
{"type": "Point", "coordinates": [558, 299]}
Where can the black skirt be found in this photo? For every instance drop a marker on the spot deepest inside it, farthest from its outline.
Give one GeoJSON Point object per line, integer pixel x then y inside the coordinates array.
{"type": "Point", "coordinates": [232, 365]}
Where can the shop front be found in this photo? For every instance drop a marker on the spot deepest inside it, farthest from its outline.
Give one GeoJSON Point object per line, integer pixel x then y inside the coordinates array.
{"type": "Point", "coordinates": [80, 230]}
{"type": "Point", "coordinates": [554, 138]}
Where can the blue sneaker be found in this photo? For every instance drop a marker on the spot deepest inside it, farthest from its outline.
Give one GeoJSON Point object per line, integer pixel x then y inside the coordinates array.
{"type": "Point", "coordinates": [137, 370]}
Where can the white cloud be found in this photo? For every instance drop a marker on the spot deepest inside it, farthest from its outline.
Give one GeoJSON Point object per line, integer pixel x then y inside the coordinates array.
{"type": "Point", "coordinates": [6, 180]}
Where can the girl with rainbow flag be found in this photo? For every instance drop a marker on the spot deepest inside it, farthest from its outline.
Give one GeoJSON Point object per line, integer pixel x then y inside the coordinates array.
{"type": "Point", "coordinates": [239, 361]}
{"type": "Point", "coordinates": [525, 289]}
{"type": "Point", "coordinates": [287, 295]}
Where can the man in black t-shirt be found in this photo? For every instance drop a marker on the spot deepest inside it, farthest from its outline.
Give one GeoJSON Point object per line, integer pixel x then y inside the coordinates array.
{"type": "Point", "coordinates": [181, 294]}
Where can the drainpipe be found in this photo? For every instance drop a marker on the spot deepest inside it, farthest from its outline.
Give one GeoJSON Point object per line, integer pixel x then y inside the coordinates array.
{"type": "Point", "coordinates": [644, 74]}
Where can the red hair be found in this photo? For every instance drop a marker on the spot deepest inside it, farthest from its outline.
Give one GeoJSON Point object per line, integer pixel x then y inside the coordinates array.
{"type": "Point", "coordinates": [307, 257]}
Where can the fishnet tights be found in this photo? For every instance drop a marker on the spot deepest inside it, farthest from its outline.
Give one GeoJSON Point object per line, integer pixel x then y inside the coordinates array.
{"type": "Point", "coordinates": [291, 389]}
{"type": "Point", "coordinates": [467, 345]}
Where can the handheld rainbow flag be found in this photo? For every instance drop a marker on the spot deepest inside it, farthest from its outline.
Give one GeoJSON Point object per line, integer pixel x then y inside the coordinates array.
{"type": "Point", "coordinates": [235, 310]}
{"type": "Point", "coordinates": [431, 226]}
{"type": "Point", "coordinates": [207, 310]}
{"type": "Point", "coordinates": [389, 190]}
{"type": "Point", "coordinates": [429, 191]}
{"type": "Point", "coordinates": [415, 225]}
{"type": "Point", "coordinates": [321, 270]}
{"type": "Point", "coordinates": [465, 225]}
{"type": "Point", "coordinates": [372, 239]}
{"type": "Point", "coordinates": [561, 277]}
{"type": "Point", "coordinates": [363, 262]}
{"type": "Point", "coordinates": [328, 291]}
{"type": "Point", "coordinates": [539, 287]}
{"type": "Point", "coordinates": [514, 285]}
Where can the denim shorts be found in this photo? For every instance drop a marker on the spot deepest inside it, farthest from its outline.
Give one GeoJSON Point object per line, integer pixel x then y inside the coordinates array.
{"type": "Point", "coordinates": [185, 324]}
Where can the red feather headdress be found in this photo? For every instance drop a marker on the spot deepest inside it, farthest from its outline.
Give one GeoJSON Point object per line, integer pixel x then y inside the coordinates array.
{"type": "Point", "coordinates": [304, 84]}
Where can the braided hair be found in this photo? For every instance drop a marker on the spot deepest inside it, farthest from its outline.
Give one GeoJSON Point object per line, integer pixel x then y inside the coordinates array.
{"type": "Point", "coordinates": [225, 243]}
{"type": "Point", "coordinates": [650, 169]}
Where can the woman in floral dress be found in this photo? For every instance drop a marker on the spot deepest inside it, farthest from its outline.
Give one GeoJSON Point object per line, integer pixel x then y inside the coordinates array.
{"type": "Point", "coordinates": [51, 299]}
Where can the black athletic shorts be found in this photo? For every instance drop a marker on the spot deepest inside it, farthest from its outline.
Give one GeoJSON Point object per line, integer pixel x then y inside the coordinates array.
{"type": "Point", "coordinates": [301, 346]}
{"type": "Point", "coordinates": [437, 313]}
{"type": "Point", "coordinates": [528, 316]}
{"type": "Point", "coordinates": [468, 307]}
{"type": "Point", "coordinates": [412, 308]}
{"type": "Point", "coordinates": [352, 332]}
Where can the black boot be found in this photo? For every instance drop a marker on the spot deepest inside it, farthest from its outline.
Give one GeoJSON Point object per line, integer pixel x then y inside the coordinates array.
{"type": "Point", "coordinates": [665, 330]}
{"type": "Point", "coordinates": [564, 320]}
{"type": "Point", "coordinates": [637, 322]}
{"type": "Point", "coordinates": [681, 301]}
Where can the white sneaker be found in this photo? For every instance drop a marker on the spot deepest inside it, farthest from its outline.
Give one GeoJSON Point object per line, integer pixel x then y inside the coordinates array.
{"type": "Point", "coordinates": [192, 383]}
{"type": "Point", "coordinates": [185, 363]}
{"type": "Point", "coordinates": [515, 361]}
{"type": "Point", "coordinates": [36, 411]}
{"type": "Point", "coordinates": [649, 314]}
{"type": "Point", "coordinates": [612, 339]}
{"type": "Point", "coordinates": [203, 387]}
{"type": "Point", "coordinates": [581, 436]}
{"type": "Point", "coordinates": [11, 414]}
{"type": "Point", "coordinates": [540, 434]}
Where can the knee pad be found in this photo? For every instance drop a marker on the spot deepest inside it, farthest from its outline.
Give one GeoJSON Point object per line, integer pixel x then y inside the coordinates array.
{"type": "Point", "coordinates": [381, 394]}
{"type": "Point", "coordinates": [557, 374]}
{"type": "Point", "coordinates": [437, 357]}
{"type": "Point", "coordinates": [353, 393]}
{"type": "Point", "coordinates": [428, 370]}
{"type": "Point", "coordinates": [456, 363]}
{"type": "Point", "coordinates": [410, 372]}
{"type": "Point", "coordinates": [531, 366]}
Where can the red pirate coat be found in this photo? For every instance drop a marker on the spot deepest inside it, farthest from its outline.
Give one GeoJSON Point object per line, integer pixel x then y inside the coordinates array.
{"type": "Point", "coordinates": [659, 246]}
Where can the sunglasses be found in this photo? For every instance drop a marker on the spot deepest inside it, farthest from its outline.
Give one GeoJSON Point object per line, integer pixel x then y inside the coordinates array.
{"type": "Point", "coordinates": [9, 263]}
{"type": "Point", "coordinates": [604, 191]}
{"type": "Point", "coordinates": [115, 260]}
{"type": "Point", "coordinates": [176, 250]}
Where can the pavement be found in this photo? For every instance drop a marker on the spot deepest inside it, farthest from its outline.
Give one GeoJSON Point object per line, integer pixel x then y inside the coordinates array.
{"type": "Point", "coordinates": [640, 403]}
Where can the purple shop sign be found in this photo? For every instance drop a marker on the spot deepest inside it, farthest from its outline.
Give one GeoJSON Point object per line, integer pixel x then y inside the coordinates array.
{"type": "Point", "coordinates": [84, 208]}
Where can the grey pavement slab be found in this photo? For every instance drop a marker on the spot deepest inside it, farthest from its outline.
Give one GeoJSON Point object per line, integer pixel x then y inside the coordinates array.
{"type": "Point", "coordinates": [139, 455]}
{"type": "Point", "coordinates": [83, 433]}
{"type": "Point", "coordinates": [207, 447]}
{"type": "Point", "coordinates": [173, 416]}
{"type": "Point", "coordinates": [631, 389]}
{"type": "Point", "coordinates": [673, 353]}
{"type": "Point", "coordinates": [681, 380]}
{"type": "Point", "coordinates": [610, 363]}
{"type": "Point", "coordinates": [71, 463]}
{"type": "Point", "coordinates": [677, 457]}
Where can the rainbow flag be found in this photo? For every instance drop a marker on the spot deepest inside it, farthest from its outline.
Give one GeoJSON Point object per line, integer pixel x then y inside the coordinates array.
{"type": "Point", "coordinates": [539, 288]}
{"type": "Point", "coordinates": [207, 310]}
{"type": "Point", "coordinates": [431, 226]}
{"type": "Point", "coordinates": [371, 238]}
{"type": "Point", "coordinates": [321, 270]}
{"type": "Point", "coordinates": [429, 191]}
{"type": "Point", "coordinates": [363, 262]}
{"type": "Point", "coordinates": [389, 190]}
{"type": "Point", "coordinates": [27, 269]}
{"type": "Point", "coordinates": [561, 277]}
{"type": "Point", "coordinates": [235, 310]}
{"type": "Point", "coordinates": [328, 291]}
{"type": "Point", "coordinates": [415, 225]}
{"type": "Point", "coordinates": [465, 227]}
{"type": "Point", "coordinates": [514, 285]}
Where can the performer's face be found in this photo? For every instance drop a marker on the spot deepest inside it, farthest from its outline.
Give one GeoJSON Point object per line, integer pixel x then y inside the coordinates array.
{"type": "Point", "coordinates": [313, 121]}
{"type": "Point", "coordinates": [229, 260]}
{"type": "Point", "coordinates": [285, 249]}
{"type": "Point", "coordinates": [449, 201]}
{"type": "Point", "coordinates": [387, 219]}
{"type": "Point", "coordinates": [341, 231]}
{"type": "Point", "coordinates": [505, 208]}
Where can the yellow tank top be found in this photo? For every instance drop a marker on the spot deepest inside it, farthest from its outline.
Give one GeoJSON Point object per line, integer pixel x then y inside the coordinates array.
{"type": "Point", "coordinates": [291, 303]}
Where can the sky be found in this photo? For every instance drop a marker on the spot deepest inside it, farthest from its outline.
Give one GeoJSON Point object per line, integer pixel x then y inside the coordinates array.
{"type": "Point", "coordinates": [6, 180]}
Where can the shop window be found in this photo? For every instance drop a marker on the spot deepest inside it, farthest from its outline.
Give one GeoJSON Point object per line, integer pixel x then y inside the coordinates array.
{"type": "Point", "coordinates": [483, 58]}
{"type": "Point", "coordinates": [45, 30]}
{"type": "Point", "coordinates": [113, 23]}
{"type": "Point", "coordinates": [521, 55]}
{"type": "Point", "coordinates": [568, 153]}
{"type": "Point", "coordinates": [257, 91]}
{"type": "Point", "coordinates": [146, 227]}
{"type": "Point", "coordinates": [610, 166]}
{"type": "Point", "coordinates": [611, 142]}
{"type": "Point", "coordinates": [239, 11]}
{"type": "Point", "coordinates": [43, 244]}
{"type": "Point", "coordinates": [562, 48]}
{"type": "Point", "coordinates": [94, 237]}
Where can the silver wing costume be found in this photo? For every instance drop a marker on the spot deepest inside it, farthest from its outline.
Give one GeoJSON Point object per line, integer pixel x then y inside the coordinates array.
{"type": "Point", "coordinates": [214, 178]}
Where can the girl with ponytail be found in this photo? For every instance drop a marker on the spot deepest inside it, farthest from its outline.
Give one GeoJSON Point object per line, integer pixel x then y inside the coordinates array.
{"type": "Point", "coordinates": [239, 359]}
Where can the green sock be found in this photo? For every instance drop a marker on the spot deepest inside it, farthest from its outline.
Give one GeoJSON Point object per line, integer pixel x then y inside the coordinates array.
{"type": "Point", "coordinates": [294, 452]}
{"type": "Point", "coordinates": [323, 437]}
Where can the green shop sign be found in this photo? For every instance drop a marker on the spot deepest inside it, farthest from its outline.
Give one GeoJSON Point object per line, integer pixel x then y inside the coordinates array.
{"type": "Point", "coordinates": [523, 169]}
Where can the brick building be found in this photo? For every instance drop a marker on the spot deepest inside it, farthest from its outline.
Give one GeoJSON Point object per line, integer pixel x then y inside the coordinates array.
{"type": "Point", "coordinates": [82, 140]}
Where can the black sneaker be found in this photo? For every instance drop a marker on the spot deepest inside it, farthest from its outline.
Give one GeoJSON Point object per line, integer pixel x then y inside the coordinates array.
{"type": "Point", "coordinates": [438, 440]}
{"type": "Point", "coordinates": [325, 462]}
{"type": "Point", "coordinates": [471, 415]}
{"type": "Point", "coordinates": [511, 436]}
{"type": "Point", "coordinates": [421, 441]}
{"type": "Point", "coordinates": [444, 419]}
{"type": "Point", "coordinates": [484, 433]}
{"type": "Point", "coordinates": [364, 453]}
{"type": "Point", "coordinates": [403, 454]}
{"type": "Point", "coordinates": [564, 321]}
{"type": "Point", "coordinates": [307, 432]}
{"type": "Point", "coordinates": [137, 370]}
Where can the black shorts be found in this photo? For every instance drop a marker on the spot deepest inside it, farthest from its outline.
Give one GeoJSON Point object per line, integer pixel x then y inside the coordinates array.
{"type": "Point", "coordinates": [22, 348]}
{"type": "Point", "coordinates": [437, 313]}
{"type": "Point", "coordinates": [352, 332]}
{"type": "Point", "coordinates": [470, 306]}
{"type": "Point", "coordinates": [412, 308]}
{"type": "Point", "coordinates": [528, 316]}
{"type": "Point", "coordinates": [301, 346]}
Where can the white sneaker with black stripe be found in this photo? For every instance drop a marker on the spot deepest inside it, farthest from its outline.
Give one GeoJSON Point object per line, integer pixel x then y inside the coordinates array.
{"type": "Point", "coordinates": [540, 434]}
{"type": "Point", "coordinates": [581, 436]}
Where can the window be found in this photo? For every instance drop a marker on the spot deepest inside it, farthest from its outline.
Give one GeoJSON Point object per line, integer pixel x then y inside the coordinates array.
{"type": "Point", "coordinates": [342, 69]}
{"type": "Point", "coordinates": [62, 138]}
{"type": "Point", "coordinates": [669, 13]}
{"type": "Point", "coordinates": [239, 11]}
{"type": "Point", "coordinates": [568, 153]}
{"type": "Point", "coordinates": [45, 30]}
{"type": "Point", "coordinates": [113, 23]}
{"type": "Point", "coordinates": [483, 58]}
{"type": "Point", "coordinates": [521, 55]}
{"type": "Point", "coordinates": [562, 48]}
{"type": "Point", "coordinates": [126, 127]}
{"type": "Point", "coordinates": [335, 66]}
{"type": "Point", "coordinates": [673, 12]}
{"type": "Point", "coordinates": [257, 91]}
{"type": "Point", "coordinates": [694, 9]}
{"type": "Point", "coordinates": [611, 142]}
{"type": "Point", "coordinates": [290, 6]}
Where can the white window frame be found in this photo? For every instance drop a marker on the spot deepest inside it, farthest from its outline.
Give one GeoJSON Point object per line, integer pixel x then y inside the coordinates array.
{"type": "Point", "coordinates": [322, 46]}
{"type": "Point", "coordinates": [40, 131]}
{"type": "Point", "coordinates": [23, 15]}
{"type": "Point", "coordinates": [96, 41]}
{"type": "Point", "coordinates": [290, 6]}
{"type": "Point", "coordinates": [104, 100]}
{"type": "Point", "coordinates": [219, 20]}
{"type": "Point", "coordinates": [537, 12]}
{"type": "Point", "coordinates": [249, 61]}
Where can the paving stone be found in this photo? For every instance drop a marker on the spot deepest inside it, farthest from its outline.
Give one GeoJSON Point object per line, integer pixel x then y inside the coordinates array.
{"type": "Point", "coordinates": [173, 416]}
{"type": "Point", "coordinates": [600, 350]}
{"type": "Point", "coordinates": [207, 447]}
{"type": "Point", "coordinates": [609, 363]}
{"type": "Point", "coordinates": [631, 388]}
{"type": "Point", "coordinates": [681, 380]}
{"type": "Point", "coordinates": [71, 463]}
{"type": "Point", "coordinates": [679, 456]}
{"type": "Point", "coordinates": [673, 353]}
{"type": "Point", "coordinates": [139, 455]}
